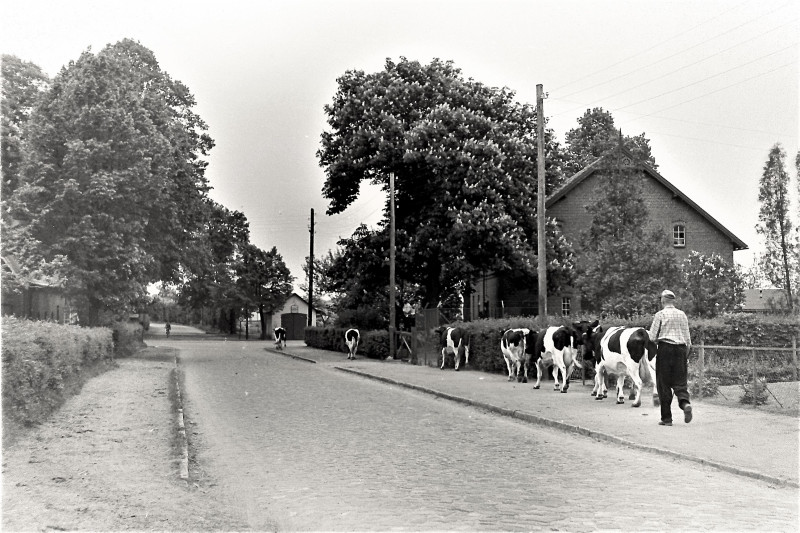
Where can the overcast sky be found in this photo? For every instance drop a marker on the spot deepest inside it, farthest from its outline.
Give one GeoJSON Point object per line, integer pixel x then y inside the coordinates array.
{"type": "Point", "coordinates": [712, 84]}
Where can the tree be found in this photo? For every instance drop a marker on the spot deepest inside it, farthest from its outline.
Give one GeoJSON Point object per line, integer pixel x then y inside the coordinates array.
{"type": "Point", "coordinates": [712, 285]}
{"type": "Point", "coordinates": [209, 279]}
{"type": "Point", "coordinates": [112, 185]}
{"type": "Point", "coordinates": [622, 266]}
{"type": "Point", "coordinates": [464, 160]}
{"type": "Point", "coordinates": [264, 282]}
{"type": "Point", "coordinates": [597, 135]}
{"type": "Point", "coordinates": [23, 83]}
{"type": "Point", "coordinates": [779, 260]}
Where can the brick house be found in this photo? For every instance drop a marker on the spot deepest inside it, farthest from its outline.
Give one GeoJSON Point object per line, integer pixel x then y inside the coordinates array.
{"type": "Point", "coordinates": [690, 227]}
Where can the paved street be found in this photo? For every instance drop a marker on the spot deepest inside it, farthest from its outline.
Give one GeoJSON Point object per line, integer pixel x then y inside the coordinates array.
{"type": "Point", "coordinates": [300, 446]}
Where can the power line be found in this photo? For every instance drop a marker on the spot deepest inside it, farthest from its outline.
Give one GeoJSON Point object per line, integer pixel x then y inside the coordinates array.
{"type": "Point", "coordinates": [749, 21]}
{"type": "Point", "coordinates": [631, 88]}
{"type": "Point", "coordinates": [722, 88]}
{"type": "Point", "coordinates": [685, 121]}
{"type": "Point", "coordinates": [607, 67]}
{"type": "Point", "coordinates": [794, 45]}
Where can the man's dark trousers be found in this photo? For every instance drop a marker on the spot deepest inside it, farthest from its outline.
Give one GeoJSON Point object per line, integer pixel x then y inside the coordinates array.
{"type": "Point", "coordinates": [672, 366]}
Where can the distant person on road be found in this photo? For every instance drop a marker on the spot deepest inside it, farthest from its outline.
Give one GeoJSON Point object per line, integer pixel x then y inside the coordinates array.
{"type": "Point", "coordinates": [670, 330]}
{"type": "Point", "coordinates": [167, 328]}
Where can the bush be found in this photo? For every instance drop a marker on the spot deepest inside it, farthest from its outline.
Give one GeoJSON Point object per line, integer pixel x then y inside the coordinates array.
{"type": "Point", "coordinates": [42, 361]}
{"type": "Point", "coordinates": [128, 338]}
{"type": "Point", "coordinates": [373, 344]}
{"type": "Point", "coordinates": [754, 393]}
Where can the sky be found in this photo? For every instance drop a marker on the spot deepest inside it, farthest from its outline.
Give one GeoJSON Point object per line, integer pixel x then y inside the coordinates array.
{"type": "Point", "coordinates": [713, 84]}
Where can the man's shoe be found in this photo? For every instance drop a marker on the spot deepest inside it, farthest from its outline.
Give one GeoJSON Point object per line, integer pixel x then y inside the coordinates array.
{"type": "Point", "coordinates": [665, 423]}
{"type": "Point", "coordinates": [687, 413]}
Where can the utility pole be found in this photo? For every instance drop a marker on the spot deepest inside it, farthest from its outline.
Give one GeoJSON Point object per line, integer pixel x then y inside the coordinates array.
{"type": "Point", "coordinates": [540, 213]}
{"type": "Point", "coordinates": [311, 273]}
{"type": "Point", "coordinates": [392, 311]}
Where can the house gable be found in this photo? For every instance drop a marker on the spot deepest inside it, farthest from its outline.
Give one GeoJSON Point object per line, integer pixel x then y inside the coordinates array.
{"type": "Point", "coordinates": [666, 205]}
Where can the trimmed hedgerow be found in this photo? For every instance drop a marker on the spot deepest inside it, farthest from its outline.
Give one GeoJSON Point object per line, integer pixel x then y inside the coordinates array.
{"type": "Point", "coordinates": [43, 363]}
{"type": "Point", "coordinates": [373, 343]}
{"type": "Point", "coordinates": [485, 355]}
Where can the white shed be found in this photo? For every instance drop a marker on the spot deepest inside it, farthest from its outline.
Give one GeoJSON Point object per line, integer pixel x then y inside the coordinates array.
{"type": "Point", "coordinates": [293, 317]}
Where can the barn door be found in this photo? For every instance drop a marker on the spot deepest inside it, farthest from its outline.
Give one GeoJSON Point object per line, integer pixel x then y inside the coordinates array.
{"type": "Point", "coordinates": [295, 326]}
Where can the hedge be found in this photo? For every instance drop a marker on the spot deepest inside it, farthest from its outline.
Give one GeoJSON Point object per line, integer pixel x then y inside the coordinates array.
{"type": "Point", "coordinates": [45, 362]}
{"type": "Point", "coordinates": [485, 355]}
{"type": "Point", "coordinates": [373, 344]}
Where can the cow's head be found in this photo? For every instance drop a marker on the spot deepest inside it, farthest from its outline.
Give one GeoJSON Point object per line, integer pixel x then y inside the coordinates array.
{"type": "Point", "coordinates": [651, 349]}
{"type": "Point", "coordinates": [590, 335]}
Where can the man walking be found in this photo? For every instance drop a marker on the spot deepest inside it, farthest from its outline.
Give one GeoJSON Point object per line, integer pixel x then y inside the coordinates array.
{"type": "Point", "coordinates": [670, 330]}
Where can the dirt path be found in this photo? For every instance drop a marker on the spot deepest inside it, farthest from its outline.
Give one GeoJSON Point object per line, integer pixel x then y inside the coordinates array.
{"type": "Point", "coordinates": [130, 481]}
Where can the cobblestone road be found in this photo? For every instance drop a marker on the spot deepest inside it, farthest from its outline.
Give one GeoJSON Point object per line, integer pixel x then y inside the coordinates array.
{"type": "Point", "coordinates": [297, 446]}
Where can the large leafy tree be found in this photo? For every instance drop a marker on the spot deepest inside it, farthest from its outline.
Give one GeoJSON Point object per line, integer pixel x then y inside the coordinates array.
{"type": "Point", "coordinates": [595, 135]}
{"type": "Point", "coordinates": [264, 282]}
{"type": "Point", "coordinates": [779, 260]}
{"type": "Point", "coordinates": [23, 83]}
{"type": "Point", "coordinates": [712, 285]}
{"type": "Point", "coordinates": [209, 276]}
{"type": "Point", "coordinates": [622, 266]}
{"type": "Point", "coordinates": [464, 158]}
{"type": "Point", "coordinates": [112, 182]}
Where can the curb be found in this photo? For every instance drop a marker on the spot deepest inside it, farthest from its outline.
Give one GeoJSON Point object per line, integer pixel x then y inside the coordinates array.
{"type": "Point", "coordinates": [184, 442]}
{"type": "Point", "coordinates": [287, 354]}
{"type": "Point", "coordinates": [534, 419]}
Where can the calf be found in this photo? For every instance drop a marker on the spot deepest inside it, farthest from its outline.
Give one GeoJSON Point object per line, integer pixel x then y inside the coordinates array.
{"type": "Point", "coordinates": [280, 338]}
{"type": "Point", "coordinates": [455, 341]}
{"type": "Point", "coordinates": [558, 346]}
{"type": "Point", "coordinates": [517, 346]}
{"type": "Point", "coordinates": [351, 337]}
{"type": "Point", "coordinates": [626, 352]}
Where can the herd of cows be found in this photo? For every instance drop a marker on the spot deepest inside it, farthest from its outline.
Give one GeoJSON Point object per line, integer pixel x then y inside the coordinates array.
{"type": "Point", "coordinates": [621, 351]}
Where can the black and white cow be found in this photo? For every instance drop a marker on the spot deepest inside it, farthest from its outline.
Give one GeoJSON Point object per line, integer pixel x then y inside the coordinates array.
{"type": "Point", "coordinates": [455, 341]}
{"type": "Point", "coordinates": [626, 352]}
{"type": "Point", "coordinates": [517, 346]}
{"type": "Point", "coordinates": [558, 346]}
{"type": "Point", "coordinates": [280, 338]}
{"type": "Point", "coordinates": [351, 337]}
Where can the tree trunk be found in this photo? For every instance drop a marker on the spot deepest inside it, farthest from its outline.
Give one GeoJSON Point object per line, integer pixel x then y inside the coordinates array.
{"type": "Point", "coordinates": [263, 315]}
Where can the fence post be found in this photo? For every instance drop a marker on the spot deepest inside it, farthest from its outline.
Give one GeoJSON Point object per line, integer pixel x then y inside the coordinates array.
{"type": "Point", "coordinates": [794, 357]}
{"type": "Point", "coordinates": [755, 378]}
{"type": "Point", "coordinates": [701, 361]}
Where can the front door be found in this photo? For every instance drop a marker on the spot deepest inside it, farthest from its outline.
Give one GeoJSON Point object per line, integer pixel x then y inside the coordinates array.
{"type": "Point", "coordinates": [295, 326]}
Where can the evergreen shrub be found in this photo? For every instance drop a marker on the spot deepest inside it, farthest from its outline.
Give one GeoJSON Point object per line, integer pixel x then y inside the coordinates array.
{"type": "Point", "coordinates": [43, 363]}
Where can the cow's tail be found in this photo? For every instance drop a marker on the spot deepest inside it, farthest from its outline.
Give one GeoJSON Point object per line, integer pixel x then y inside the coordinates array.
{"type": "Point", "coordinates": [644, 372]}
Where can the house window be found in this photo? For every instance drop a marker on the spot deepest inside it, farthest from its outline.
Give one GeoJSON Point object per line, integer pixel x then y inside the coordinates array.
{"type": "Point", "coordinates": [679, 235]}
{"type": "Point", "coordinates": [565, 305]}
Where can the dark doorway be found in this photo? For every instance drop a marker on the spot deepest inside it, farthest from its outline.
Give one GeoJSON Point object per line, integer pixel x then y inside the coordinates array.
{"type": "Point", "coordinates": [295, 326]}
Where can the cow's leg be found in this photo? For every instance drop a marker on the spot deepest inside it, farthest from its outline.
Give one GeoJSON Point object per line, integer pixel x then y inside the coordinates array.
{"type": "Point", "coordinates": [558, 367]}
{"type": "Point", "coordinates": [596, 390]}
{"type": "Point", "coordinates": [538, 373]}
{"type": "Point", "coordinates": [570, 368]}
{"type": "Point", "coordinates": [620, 389]}
{"type": "Point", "coordinates": [637, 386]}
{"type": "Point", "coordinates": [457, 354]}
{"type": "Point", "coordinates": [508, 364]}
{"type": "Point", "coordinates": [525, 370]}
{"type": "Point", "coordinates": [656, 400]}
{"type": "Point", "coordinates": [444, 356]}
